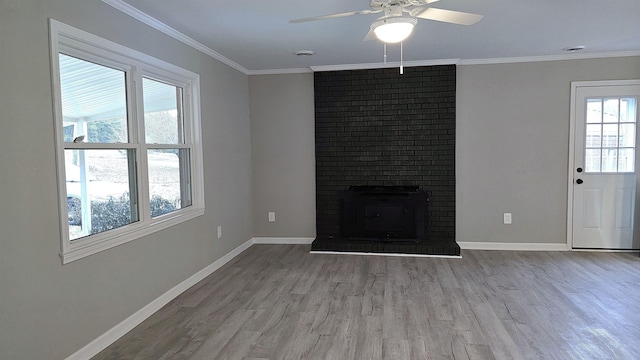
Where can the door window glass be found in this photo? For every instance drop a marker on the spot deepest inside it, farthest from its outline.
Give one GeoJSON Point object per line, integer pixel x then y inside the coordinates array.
{"type": "Point", "coordinates": [610, 135]}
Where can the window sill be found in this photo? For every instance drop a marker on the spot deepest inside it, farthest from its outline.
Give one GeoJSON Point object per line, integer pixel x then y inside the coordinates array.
{"type": "Point", "coordinates": [87, 247]}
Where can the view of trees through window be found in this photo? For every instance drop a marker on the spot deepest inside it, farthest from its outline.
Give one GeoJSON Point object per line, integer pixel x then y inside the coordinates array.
{"type": "Point", "coordinates": [109, 187]}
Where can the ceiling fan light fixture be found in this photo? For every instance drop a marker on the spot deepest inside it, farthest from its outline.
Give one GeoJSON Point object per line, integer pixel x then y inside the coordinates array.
{"type": "Point", "coordinates": [395, 29]}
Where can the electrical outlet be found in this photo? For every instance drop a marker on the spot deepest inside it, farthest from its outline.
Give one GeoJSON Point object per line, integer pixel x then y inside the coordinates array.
{"type": "Point", "coordinates": [272, 216]}
{"type": "Point", "coordinates": [219, 231]}
{"type": "Point", "coordinates": [507, 218]}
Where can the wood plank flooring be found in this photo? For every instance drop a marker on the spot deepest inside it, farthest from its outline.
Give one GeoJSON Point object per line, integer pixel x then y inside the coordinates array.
{"type": "Point", "coordinates": [280, 302]}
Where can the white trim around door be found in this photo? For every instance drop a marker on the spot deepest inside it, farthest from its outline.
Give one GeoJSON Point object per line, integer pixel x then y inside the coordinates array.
{"type": "Point", "coordinates": [571, 172]}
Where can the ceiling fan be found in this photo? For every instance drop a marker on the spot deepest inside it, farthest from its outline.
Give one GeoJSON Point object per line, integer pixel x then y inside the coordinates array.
{"type": "Point", "coordinates": [394, 26]}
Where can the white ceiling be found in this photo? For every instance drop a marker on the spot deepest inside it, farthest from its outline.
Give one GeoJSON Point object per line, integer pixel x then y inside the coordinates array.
{"type": "Point", "coordinates": [257, 35]}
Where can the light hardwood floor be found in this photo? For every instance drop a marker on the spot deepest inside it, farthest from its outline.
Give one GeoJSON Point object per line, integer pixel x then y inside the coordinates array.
{"type": "Point", "coordinates": [280, 302]}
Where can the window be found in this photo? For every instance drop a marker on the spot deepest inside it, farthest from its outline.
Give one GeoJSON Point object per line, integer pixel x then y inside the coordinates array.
{"type": "Point", "coordinates": [610, 135]}
{"type": "Point", "coordinates": [127, 142]}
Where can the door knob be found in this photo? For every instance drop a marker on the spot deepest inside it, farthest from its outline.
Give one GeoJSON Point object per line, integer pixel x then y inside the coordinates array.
{"type": "Point", "coordinates": [579, 181]}
{"type": "Point", "coordinates": [579, 170]}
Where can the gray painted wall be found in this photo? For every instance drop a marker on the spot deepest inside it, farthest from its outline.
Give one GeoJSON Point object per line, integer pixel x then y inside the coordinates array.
{"type": "Point", "coordinates": [512, 146]}
{"type": "Point", "coordinates": [283, 153]}
{"type": "Point", "coordinates": [47, 310]}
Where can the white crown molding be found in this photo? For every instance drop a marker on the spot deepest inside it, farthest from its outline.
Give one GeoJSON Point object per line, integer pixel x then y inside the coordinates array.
{"type": "Point", "coordinates": [472, 245]}
{"type": "Point", "coordinates": [280, 71]}
{"type": "Point", "coordinates": [454, 61]}
{"type": "Point", "coordinates": [573, 56]}
{"type": "Point", "coordinates": [116, 332]}
{"type": "Point", "coordinates": [162, 27]}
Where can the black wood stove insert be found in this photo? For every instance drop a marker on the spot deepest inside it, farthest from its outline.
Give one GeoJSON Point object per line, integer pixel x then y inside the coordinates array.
{"type": "Point", "coordinates": [384, 213]}
{"type": "Point", "coordinates": [385, 219]}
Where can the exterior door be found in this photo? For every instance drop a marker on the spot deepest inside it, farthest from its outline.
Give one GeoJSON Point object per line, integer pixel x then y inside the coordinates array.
{"type": "Point", "coordinates": [605, 164]}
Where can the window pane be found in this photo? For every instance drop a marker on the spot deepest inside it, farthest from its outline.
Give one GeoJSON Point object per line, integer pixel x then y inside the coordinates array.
{"type": "Point", "coordinates": [101, 191]}
{"type": "Point", "coordinates": [594, 136]}
{"type": "Point", "coordinates": [169, 180]}
{"type": "Point", "coordinates": [611, 111]}
{"type": "Point", "coordinates": [592, 160]}
{"type": "Point", "coordinates": [594, 111]}
{"type": "Point", "coordinates": [610, 135]}
{"type": "Point", "coordinates": [627, 135]}
{"type": "Point", "coordinates": [626, 160]}
{"type": "Point", "coordinates": [93, 101]}
{"type": "Point", "coordinates": [162, 113]}
{"type": "Point", "coordinates": [609, 160]}
{"type": "Point", "coordinates": [628, 110]}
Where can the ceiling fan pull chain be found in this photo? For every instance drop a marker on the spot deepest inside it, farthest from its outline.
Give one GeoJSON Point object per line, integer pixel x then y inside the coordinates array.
{"type": "Point", "coordinates": [385, 53]}
{"type": "Point", "coordinates": [401, 67]}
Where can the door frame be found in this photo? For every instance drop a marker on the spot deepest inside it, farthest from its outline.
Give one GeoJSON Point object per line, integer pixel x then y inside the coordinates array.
{"type": "Point", "coordinates": [572, 131]}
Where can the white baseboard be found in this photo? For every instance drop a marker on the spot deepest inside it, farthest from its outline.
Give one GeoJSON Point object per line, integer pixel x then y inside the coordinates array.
{"type": "Point", "coordinates": [115, 333]}
{"type": "Point", "coordinates": [470, 245]}
{"type": "Point", "coordinates": [607, 250]}
{"type": "Point", "coordinates": [283, 240]}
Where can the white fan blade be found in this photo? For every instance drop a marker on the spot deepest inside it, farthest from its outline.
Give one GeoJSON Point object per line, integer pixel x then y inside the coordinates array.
{"type": "Point", "coordinates": [450, 16]}
{"type": "Point", "coordinates": [370, 36]}
{"type": "Point", "coordinates": [333, 16]}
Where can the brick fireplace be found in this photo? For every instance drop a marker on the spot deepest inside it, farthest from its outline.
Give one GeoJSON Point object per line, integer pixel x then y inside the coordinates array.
{"type": "Point", "coordinates": [379, 128]}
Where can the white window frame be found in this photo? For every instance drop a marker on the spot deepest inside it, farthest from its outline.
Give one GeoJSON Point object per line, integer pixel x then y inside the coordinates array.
{"type": "Point", "coordinates": [75, 42]}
